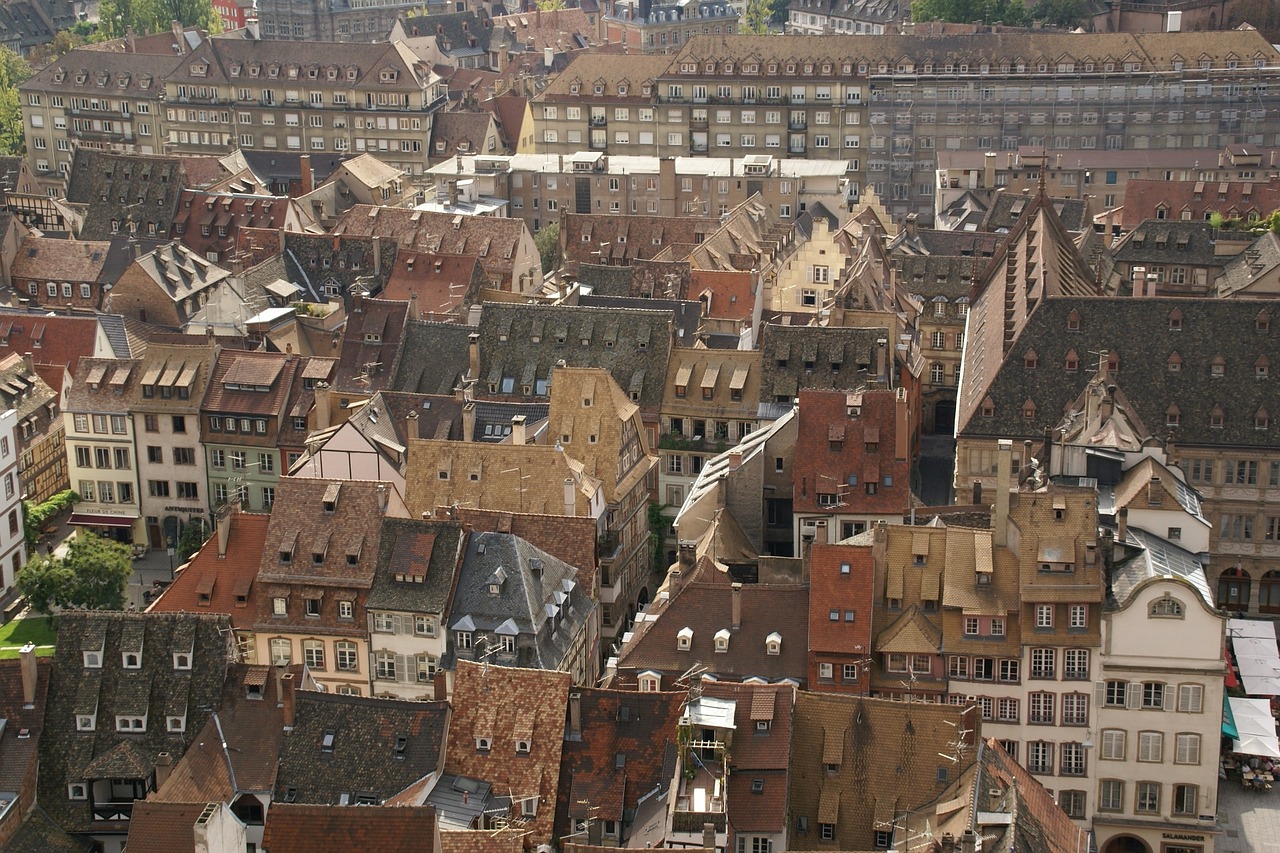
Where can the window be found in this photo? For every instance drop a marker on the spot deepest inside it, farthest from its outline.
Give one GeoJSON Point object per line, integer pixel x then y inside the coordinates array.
{"type": "Point", "coordinates": [279, 606]}
{"type": "Point", "coordinates": [1040, 757]}
{"type": "Point", "coordinates": [1041, 708]}
{"type": "Point", "coordinates": [1113, 744]}
{"type": "Point", "coordinates": [1076, 664]}
{"type": "Point", "coordinates": [1185, 799]}
{"type": "Point", "coordinates": [1044, 615]}
{"type": "Point", "coordinates": [281, 652]}
{"type": "Point", "coordinates": [828, 831]}
{"type": "Point", "coordinates": [1166, 607]}
{"type": "Point", "coordinates": [1079, 616]}
{"type": "Point", "coordinates": [385, 668]}
{"type": "Point", "coordinates": [1190, 698]}
{"type": "Point", "coordinates": [1151, 746]}
{"type": "Point", "coordinates": [1044, 663]}
{"type": "Point", "coordinates": [1111, 795]}
{"type": "Point", "coordinates": [463, 639]}
{"type": "Point", "coordinates": [313, 653]}
{"type": "Point", "coordinates": [1075, 709]}
{"type": "Point", "coordinates": [1148, 799]}
{"type": "Point", "coordinates": [1115, 693]}
{"type": "Point", "coordinates": [1007, 710]}
{"type": "Point", "coordinates": [825, 672]}
{"type": "Point", "coordinates": [1010, 670]}
{"type": "Point", "coordinates": [1072, 802]}
{"type": "Point", "coordinates": [1152, 694]}
{"type": "Point", "coordinates": [345, 655]}
{"type": "Point", "coordinates": [1186, 749]}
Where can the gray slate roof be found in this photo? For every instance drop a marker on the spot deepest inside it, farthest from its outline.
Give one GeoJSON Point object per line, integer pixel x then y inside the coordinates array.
{"type": "Point", "coordinates": [1138, 330]}
{"type": "Point", "coordinates": [1258, 260]}
{"type": "Point", "coordinates": [796, 357]}
{"type": "Point", "coordinates": [1147, 556]}
{"type": "Point", "coordinates": [125, 187]}
{"type": "Point", "coordinates": [524, 342]}
{"type": "Point", "coordinates": [433, 357]}
{"type": "Point", "coordinates": [428, 549]}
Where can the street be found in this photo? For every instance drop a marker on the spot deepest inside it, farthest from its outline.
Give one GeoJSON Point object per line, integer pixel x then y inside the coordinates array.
{"type": "Point", "coordinates": [153, 566]}
{"type": "Point", "coordinates": [937, 461]}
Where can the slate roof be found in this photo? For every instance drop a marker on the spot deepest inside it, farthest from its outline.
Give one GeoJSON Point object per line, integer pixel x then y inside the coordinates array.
{"type": "Point", "coordinates": [1171, 242]}
{"type": "Point", "coordinates": [522, 343]}
{"type": "Point", "coordinates": [1257, 262]}
{"type": "Point", "coordinates": [1138, 330]}
{"type": "Point", "coordinates": [156, 689]}
{"type": "Point", "coordinates": [292, 828]}
{"type": "Point", "coordinates": [540, 602]}
{"type": "Point", "coordinates": [506, 704]}
{"type": "Point", "coordinates": [886, 754]}
{"type": "Point", "coordinates": [430, 550]}
{"type": "Point", "coordinates": [60, 260]}
{"type": "Point", "coordinates": [1007, 207]}
{"type": "Point", "coordinates": [362, 758]}
{"type": "Point", "coordinates": [930, 241]}
{"type": "Point", "coordinates": [706, 608]}
{"type": "Point", "coordinates": [639, 727]}
{"type": "Point", "coordinates": [222, 584]}
{"type": "Point", "coordinates": [785, 351]}
{"type": "Point", "coordinates": [1143, 556]}
{"type": "Point", "coordinates": [24, 390]}
{"type": "Point", "coordinates": [936, 275]}
{"type": "Point", "coordinates": [317, 261]}
{"type": "Point", "coordinates": [457, 132]}
{"type": "Point", "coordinates": [39, 834]}
{"type": "Point", "coordinates": [433, 357]}
{"type": "Point", "coordinates": [686, 313]}
{"type": "Point", "coordinates": [370, 345]}
{"type": "Point", "coordinates": [125, 187]}
{"type": "Point", "coordinates": [233, 58]}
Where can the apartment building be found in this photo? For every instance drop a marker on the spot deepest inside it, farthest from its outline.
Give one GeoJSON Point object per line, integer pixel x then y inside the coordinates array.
{"type": "Point", "coordinates": [38, 431]}
{"type": "Point", "coordinates": [538, 187]}
{"type": "Point", "coordinates": [332, 21]}
{"type": "Point", "coordinates": [165, 410]}
{"type": "Point", "coordinates": [662, 26]}
{"type": "Point", "coordinates": [13, 543]}
{"type": "Point", "coordinates": [315, 575]}
{"type": "Point", "coordinates": [95, 99]}
{"type": "Point", "coordinates": [823, 17]}
{"type": "Point", "coordinates": [299, 96]}
{"type": "Point", "coordinates": [893, 101]}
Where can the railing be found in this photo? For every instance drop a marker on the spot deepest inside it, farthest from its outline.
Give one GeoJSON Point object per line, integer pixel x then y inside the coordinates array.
{"type": "Point", "coordinates": [607, 545]}
{"type": "Point", "coordinates": [598, 121]}
{"type": "Point", "coordinates": [693, 821]}
{"type": "Point", "coordinates": [112, 811]}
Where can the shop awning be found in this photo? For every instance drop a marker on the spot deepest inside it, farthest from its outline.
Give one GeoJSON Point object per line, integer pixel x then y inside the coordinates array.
{"type": "Point", "coordinates": [83, 519]}
{"type": "Point", "coordinates": [1254, 725]}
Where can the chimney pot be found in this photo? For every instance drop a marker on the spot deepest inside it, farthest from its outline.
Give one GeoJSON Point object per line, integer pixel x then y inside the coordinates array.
{"type": "Point", "coordinates": [164, 766]}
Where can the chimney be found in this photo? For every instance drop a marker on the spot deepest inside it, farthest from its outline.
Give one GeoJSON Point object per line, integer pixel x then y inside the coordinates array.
{"type": "Point", "coordinates": [913, 226]}
{"type": "Point", "coordinates": [1000, 524]}
{"type": "Point", "coordinates": [948, 843]}
{"type": "Point", "coordinates": [27, 657]}
{"type": "Point", "coordinates": [548, 57]}
{"type": "Point", "coordinates": [382, 498]}
{"type": "Point", "coordinates": [224, 529]}
{"type": "Point", "coordinates": [1122, 524]}
{"type": "Point", "coordinates": [287, 699]}
{"type": "Point", "coordinates": [969, 842]}
{"type": "Point", "coordinates": [989, 170]}
{"type": "Point", "coordinates": [28, 363]}
{"type": "Point", "coordinates": [518, 436]}
{"type": "Point", "coordinates": [709, 836]}
{"type": "Point", "coordinates": [473, 353]}
{"type": "Point", "coordinates": [323, 393]}
{"type": "Point", "coordinates": [901, 427]}
{"type": "Point", "coordinates": [736, 599]}
{"type": "Point", "coordinates": [575, 713]}
{"type": "Point", "coordinates": [1155, 493]}
{"type": "Point", "coordinates": [411, 426]}
{"type": "Point", "coordinates": [129, 40]}
{"type": "Point", "coordinates": [977, 493]}
{"type": "Point", "coordinates": [413, 305]}
{"type": "Point", "coordinates": [469, 420]}
{"type": "Point", "coordinates": [882, 373]}
{"type": "Point", "coordinates": [377, 255]}
{"type": "Point", "coordinates": [1104, 366]}
{"type": "Point", "coordinates": [306, 178]}
{"type": "Point", "coordinates": [452, 187]}
{"type": "Point", "coordinates": [179, 37]}
{"type": "Point", "coordinates": [1107, 404]}
{"type": "Point", "coordinates": [135, 248]}
{"type": "Point", "coordinates": [357, 299]}
{"type": "Point", "coordinates": [440, 685]}
{"type": "Point", "coordinates": [735, 459]}
{"type": "Point", "coordinates": [164, 766]}
{"type": "Point", "coordinates": [570, 497]}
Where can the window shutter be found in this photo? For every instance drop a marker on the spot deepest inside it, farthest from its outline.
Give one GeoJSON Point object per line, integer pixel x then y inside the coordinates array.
{"type": "Point", "coordinates": [1167, 698]}
{"type": "Point", "coordinates": [1135, 695]}
{"type": "Point", "coordinates": [808, 273]}
{"type": "Point", "coordinates": [402, 668]}
{"type": "Point", "coordinates": [1099, 693]}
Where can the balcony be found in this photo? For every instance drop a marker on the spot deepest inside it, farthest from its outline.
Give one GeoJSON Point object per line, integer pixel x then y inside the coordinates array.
{"type": "Point", "coordinates": [113, 811]}
{"type": "Point", "coordinates": [610, 584]}
{"type": "Point", "coordinates": [798, 123]}
{"type": "Point", "coordinates": [607, 545]}
{"type": "Point", "coordinates": [700, 798]}
{"type": "Point", "coordinates": [697, 148]}
{"type": "Point", "coordinates": [698, 121]}
{"type": "Point", "coordinates": [598, 121]}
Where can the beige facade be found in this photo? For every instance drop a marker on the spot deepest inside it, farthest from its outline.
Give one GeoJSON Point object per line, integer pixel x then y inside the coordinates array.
{"type": "Point", "coordinates": [303, 97]}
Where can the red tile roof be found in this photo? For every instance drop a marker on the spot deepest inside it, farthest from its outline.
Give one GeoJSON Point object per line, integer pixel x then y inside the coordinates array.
{"type": "Point", "coordinates": [237, 366]}
{"type": "Point", "coordinates": [370, 345]}
{"type": "Point", "coordinates": [293, 828]}
{"type": "Point", "coordinates": [504, 705]}
{"type": "Point", "coordinates": [728, 293]}
{"type": "Point", "coordinates": [442, 283]}
{"type": "Point", "coordinates": [833, 590]}
{"type": "Point", "coordinates": [59, 341]}
{"type": "Point", "coordinates": [163, 827]}
{"type": "Point", "coordinates": [223, 215]}
{"type": "Point", "coordinates": [222, 584]}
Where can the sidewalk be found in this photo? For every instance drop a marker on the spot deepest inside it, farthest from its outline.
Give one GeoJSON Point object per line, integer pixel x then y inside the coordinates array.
{"type": "Point", "coordinates": [1250, 820]}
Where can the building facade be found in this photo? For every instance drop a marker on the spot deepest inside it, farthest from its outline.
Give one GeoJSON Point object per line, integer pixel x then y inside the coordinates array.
{"type": "Point", "coordinates": [100, 447]}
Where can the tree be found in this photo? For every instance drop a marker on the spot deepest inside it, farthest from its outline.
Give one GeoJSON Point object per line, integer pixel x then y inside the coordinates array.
{"type": "Point", "coordinates": [115, 17]}
{"type": "Point", "coordinates": [190, 540]}
{"type": "Point", "coordinates": [1011, 12]}
{"type": "Point", "coordinates": [14, 70]}
{"type": "Point", "coordinates": [1059, 13]}
{"type": "Point", "coordinates": [94, 575]}
{"type": "Point", "coordinates": [34, 516]}
{"type": "Point", "coordinates": [757, 17]}
{"type": "Point", "coordinates": [550, 5]}
{"type": "Point", "coordinates": [548, 243]}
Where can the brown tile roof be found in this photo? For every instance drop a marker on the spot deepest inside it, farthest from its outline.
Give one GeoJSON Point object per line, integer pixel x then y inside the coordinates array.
{"type": "Point", "coordinates": [222, 583]}
{"type": "Point", "coordinates": [730, 293]}
{"type": "Point", "coordinates": [114, 378]}
{"type": "Point", "coordinates": [370, 345]}
{"type": "Point", "coordinates": [621, 753]}
{"type": "Point", "coordinates": [164, 827]}
{"type": "Point", "coordinates": [706, 608]}
{"type": "Point", "coordinates": [54, 340]}
{"type": "Point", "coordinates": [509, 111]}
{"type": "Point", "coordinates": [1152, 199]}
{"type": "Point", "coordinates": [887, 757]}
{"type": "Point", "coordinates": [588, 68]}
{"type": "Point", "coordinates": [18, 753]}
{"type": "Point", "coordinates": [222, 215]}
{"type": "Point", "coordinates": [479, 841]}
{"type": "Point", "coordinates": [253, 729]}
{"type": "Point", "coordinates": [625, 239]}
{"type": "Point", "coordinates": [235, 367]}
{"type": "Point", "coordinates": [61, 260]}
{"type": "Point", "coordinates": [505, 704]}
{"type": "Point", "coordinates": [293, 828]}
{"type": "Point", "coordinates": [559, 29]}
{"type": "Point", "coordinates": [442, 284]}
{"type": "Point", "coordinates": [850, 441]}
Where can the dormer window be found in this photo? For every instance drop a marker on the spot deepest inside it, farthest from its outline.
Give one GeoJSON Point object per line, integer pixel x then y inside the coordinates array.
{"type": "Point", "coordinates": [93, 660]}
{"type": "Point", "coordinates": [131, 724]}
{"type": "Point", "coordinates": [684, 639]}
{"type": "Point", "coordinates": [176, 723]}
{"type": "Point", "coordinates": [1073, 321]}
{"type": "Point", "coordinates": [773, 644]}
{"type": "Point", "coordinates": [1262, 367]}
{"type": "Point", "coordinates": [1216, 417]}
{"type": "Point", "coordinates": [483, 744]}
{"type": "Point", "coordinates": [182, 660]}
{"type": "Point", "coordinates": [1175, 320]}
{"type": "Point", "coordinates": [132, 660]}
{"type": "Point", "coordinates": [1174, 363]}
{"type": "Point", "coordinates": [1218, 367]}
{"type": "Point", "coordinates": [85, 723]}
{"type": "Point", "coordinates": [722, 640]}
{"type": "Point", "coordinates": [522, 747]}
{"type": "Point", "coordinates": [1172, 416]}
{"type": "Point", "coordinates": [1167, 607]}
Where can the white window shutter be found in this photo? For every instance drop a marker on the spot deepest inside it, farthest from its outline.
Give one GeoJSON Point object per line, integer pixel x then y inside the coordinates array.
{"type": "Point", "coordinates": [1167, 698]}
{"type": "Point", "coordinates": [1099, 693]}
{"type": "Point", "coordinates": [1135, 695]}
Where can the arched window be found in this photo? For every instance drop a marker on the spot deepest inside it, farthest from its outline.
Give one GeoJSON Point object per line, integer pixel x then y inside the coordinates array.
{"type": "Point", "coordinates": [1269, 593]}
{"type": "Point", "coordinates": [1233, 589]}
{"type": "Point", "coordinates": [1167, 607]}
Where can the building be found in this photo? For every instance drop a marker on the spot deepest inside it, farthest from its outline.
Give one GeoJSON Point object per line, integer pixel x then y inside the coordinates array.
{"type": "Point", "coordinates": [370, 345]}
{"type": "Point", "coordinates": [647, 27]}
{"type": "Point", "coordinates": [42, 468]}
{"type": "Point", "coordinates": [208, 223]}
{"type": "Point", "coordinates": [233, 92]}
{"type": "Point", "coordinates": [101, 447]}
{"type": "Point", "coordinates": [413, 587]}
{"type": "Point", "coordinates": [298, 828]}
{"type": "Point", "coordinates": [887, 104]}
{"type": "Point", "coordinates": [61, 273]}
{"type": "Point", "coordinates": [315, 576]}
{"type": "Point", "coordinates": [25, 684]}
{"type": "Point", "coordinates": [514, 604]}
{"type": "Point", "coordinates": [232, 14]}
{"type": "Point", "coordinates": [134, 689]}
{"type": "Point", "coordinates": [175, 286]}
{"type": "Point", "coordinates": [840, 614]}
{"type": "Point", "coordinates": [820, 17]}
{"type": "Point", "coordinates": [13, 543]}
{"type": "Point", "coordinates": [164, 406]}
{"type": "Point", "coordinates": [334, 22]}
{"type": "Point", "coordinates": [111, 194]}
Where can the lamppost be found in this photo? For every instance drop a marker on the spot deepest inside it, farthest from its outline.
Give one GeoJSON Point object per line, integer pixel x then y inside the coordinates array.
{"type": "Point", "coordinates": [169, 541]}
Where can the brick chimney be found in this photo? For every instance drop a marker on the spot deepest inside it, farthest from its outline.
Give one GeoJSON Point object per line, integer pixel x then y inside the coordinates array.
{"type": "Point", "coordinates": [901, 426]}
{"type": "Point", "coordinates": [735, 459]}
{"type": "Point", "coordinates": [164, 766]}
{"type": "Point", "coordinates": [306, 178]}
{"type": "Point", "coordinates": [224, 528]}
{"type": "Point", "coordinates": [570, 497]}
{"type": "Point", "coordinates": [1004, 464]}
{"type": "Point", "coordinates": [469, 420]}
{"type": "Point", "coordinates": [1122, 524]}
{"type": "Point", "coordinates": [736, 610]}
{"type": "Point", "coordinates": [709, 836]}
{"type": "Point", "coordinates": [30, 675]}
{"type": "Point", "coordinates": [411, 426]}
{"type": "Point", "coordinates": [287, 700]}
{"type": "Point", "coordinates": [575, 713]}
{"type": "Point", "coordinates": [518, 435]}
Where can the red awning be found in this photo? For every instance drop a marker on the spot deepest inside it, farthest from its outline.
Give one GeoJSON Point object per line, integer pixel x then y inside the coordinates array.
{"type": "Point", "coordinates": [1231, 680]}
{"type": "Point", "coordinates": [86, 520]}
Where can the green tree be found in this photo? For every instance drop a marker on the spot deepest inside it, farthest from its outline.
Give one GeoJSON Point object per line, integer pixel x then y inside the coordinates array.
{"type": "Point", "coordinates": [94, 575]}
{"type": "Point", "coordinates": [548, 243]}
{"type": "Point", "coordinates": [190, 540]}
{"type": "Point", "coordinates": [1059, 13]}
{"type": "Point", "coordinates": [115, 17]}
{"type": "Point", "coordinates": [1011, 12]}
{"type": "Point", "coordinates": [756, 20]}
{"type": "Point", "coordinates": [34, 516]}
{"type": "Point", "coordinates": [14, 70]}
{"type": "Point", "coordinates": [551, 5]}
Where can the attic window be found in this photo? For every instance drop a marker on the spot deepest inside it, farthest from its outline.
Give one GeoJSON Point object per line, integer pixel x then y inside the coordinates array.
{"type": "Point", "coordinates": [1174, 363]}
{"type": "Point", "coordinates": [722, 640]}
{"type": "Point", "coordinates": [1262, 367]}
{"type": "Point", "coordinates": [1172, 416]}
{"type": "Point", "coordinates": [132, 661]}
{"type": "Point", "coordinates": [988, 408]}
{"type": "Point", "coordinates": [1261, 419]}
{"type": "Point", "coordinates": [1073, 321]}
{"type": "Point", "coordinates": [1072, 362]}
{"type": "Point", "coordinates": [522, 747]}
{"type": "Point", "coordinates": [326, 741]}
{"type": "Point", "coordinates": [1218, 367]}
{"type": "Point", "coordinates": [1216, 417]}
{"type": "Point", "coordinates": [181, 660]}
{"type": "Point", "coordinates": [684, 639]}
{"type": "Point", "coordinates": [773, 644]}
{"type": "Point", "coordinates": [483, 744]}
{"type": "Point", "coordinates": [757, 786]}
{"type": "Point", "coordinates": [1262, 322]}
{"type": "Point", "coordinates": [402, 745]}
{"type": "Point", "coordinates": [1175, 320]}
{"type": "Point", "coordinates": [1029, 410]}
